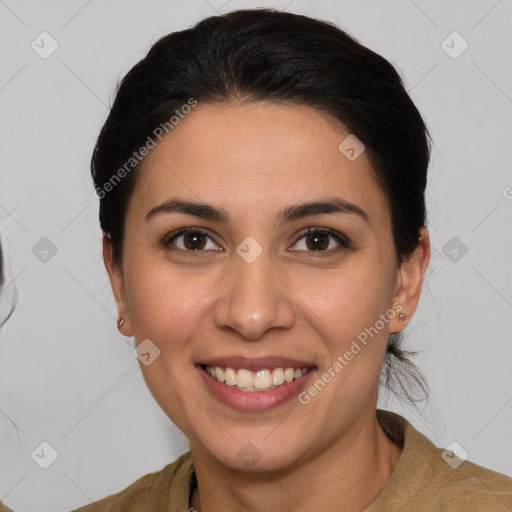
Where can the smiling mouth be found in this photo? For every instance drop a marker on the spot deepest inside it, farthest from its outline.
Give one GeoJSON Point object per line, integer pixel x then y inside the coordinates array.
{"type": "Point", "coordinates": [261, 380]}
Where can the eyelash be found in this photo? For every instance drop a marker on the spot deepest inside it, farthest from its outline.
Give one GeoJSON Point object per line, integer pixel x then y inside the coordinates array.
{"type": "Point", "coordinates": [341, 239]}
{"type": "Point", "coordinates": [166, 242]}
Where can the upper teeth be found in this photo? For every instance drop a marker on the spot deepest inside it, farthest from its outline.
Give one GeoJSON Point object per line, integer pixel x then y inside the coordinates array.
{"type": "Point", "coordinates": [262, 380]}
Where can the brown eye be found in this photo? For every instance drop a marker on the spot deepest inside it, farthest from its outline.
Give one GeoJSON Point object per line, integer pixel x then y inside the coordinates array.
{"type": "Point", "coordinates": [194, 241]}
{"type": "Point", "coordinates": [320, 240]}
{"type": "Point", "coordinates": [317, 241]}
{"type": "Point", "coordinates": [189, 240]}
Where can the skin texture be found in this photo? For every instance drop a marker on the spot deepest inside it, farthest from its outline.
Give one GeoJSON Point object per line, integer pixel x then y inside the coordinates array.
{"type": "Point", "coordinates": [292, 301]}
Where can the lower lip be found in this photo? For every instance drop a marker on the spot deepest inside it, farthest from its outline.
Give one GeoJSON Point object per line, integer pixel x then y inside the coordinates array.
{"type": "Point", "coordinates": [254, 400]}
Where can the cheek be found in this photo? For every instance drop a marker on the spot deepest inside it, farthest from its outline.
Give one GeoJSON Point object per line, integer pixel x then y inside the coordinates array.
{"type": "Point", "coordinates": [346, 305]}
{"type": "Point", "coordinates": [345, 301]}
{"type": "Point", "coordinates": [165, 302]}
{"type": "Point", "coordinates": [168, 306]}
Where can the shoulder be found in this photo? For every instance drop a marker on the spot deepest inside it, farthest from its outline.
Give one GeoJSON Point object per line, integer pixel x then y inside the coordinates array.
{"type": "Point", "coordinates": [468, 483]}
{"type": "Point", "coordinates": [151, 489]}
{"type": "Point", "coordinates": [429, 478]}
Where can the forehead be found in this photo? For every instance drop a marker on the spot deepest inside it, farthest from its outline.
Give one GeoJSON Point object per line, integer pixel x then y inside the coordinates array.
{"type": "Point", "coordinates": [254, 155]}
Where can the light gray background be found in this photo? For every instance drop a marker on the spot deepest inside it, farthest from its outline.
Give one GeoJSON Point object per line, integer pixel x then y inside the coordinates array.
{"type": "Point", "coordinates": [69, 378]}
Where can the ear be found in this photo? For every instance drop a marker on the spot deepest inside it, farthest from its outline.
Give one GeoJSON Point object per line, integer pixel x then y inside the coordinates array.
{"type": "Point", "coordinates": [409, 281]}
{"type": "Point", "coordinates": [117, 282]}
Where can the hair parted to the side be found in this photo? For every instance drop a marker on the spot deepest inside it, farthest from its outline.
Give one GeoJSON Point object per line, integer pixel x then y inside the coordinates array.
{"type": "Point", "coordinates": [267, 55]}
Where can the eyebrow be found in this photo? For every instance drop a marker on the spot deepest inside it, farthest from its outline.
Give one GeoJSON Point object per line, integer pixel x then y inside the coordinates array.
{"type": "Point", "coordinates": [332, 206]}
{"type": "Point", "coordinates": [288, 214]}
{"type": "Point", "coordinates": [202, 210]}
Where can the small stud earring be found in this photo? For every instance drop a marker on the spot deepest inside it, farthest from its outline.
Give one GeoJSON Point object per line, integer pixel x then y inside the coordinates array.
{"type": "Point", "coordinates": [120, 323]}
{"type": "Point", "coordinates": [402, 317]}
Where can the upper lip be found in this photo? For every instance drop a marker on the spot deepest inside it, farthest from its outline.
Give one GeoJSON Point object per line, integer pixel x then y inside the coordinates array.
{"type": "Point", "coordinates": [256, 363]}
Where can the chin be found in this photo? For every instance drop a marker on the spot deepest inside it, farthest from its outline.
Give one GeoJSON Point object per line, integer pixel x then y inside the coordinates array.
{"type": "Point", "coordinates": [258, 456]}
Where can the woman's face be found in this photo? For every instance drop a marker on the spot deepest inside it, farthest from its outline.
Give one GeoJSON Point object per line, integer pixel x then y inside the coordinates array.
{"type": "Point", "coordinates": [248, 289]}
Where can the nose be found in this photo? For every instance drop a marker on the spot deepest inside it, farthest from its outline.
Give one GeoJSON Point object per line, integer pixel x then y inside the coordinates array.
{"type": "Point", "coordinates": [254, 299]}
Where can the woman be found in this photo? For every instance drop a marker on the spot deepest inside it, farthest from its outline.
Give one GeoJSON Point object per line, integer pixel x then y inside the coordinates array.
{"type": "Point", "coordinates": [261, 179]}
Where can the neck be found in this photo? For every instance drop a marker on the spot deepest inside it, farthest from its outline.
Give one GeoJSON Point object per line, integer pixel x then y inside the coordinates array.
{"type": "Point", "coordinates": [360, 464]}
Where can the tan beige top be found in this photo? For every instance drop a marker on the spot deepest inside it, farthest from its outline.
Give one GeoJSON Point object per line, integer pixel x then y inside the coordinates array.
{"type": "Point", "coordinates": [421, 481]}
